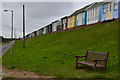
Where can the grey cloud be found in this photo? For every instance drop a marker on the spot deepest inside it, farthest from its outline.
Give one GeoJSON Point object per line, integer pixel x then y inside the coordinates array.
{"type": "Point", "coordinates": [38, 14]}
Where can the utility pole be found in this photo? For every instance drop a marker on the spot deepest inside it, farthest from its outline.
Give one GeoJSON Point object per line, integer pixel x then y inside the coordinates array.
{"type": "Point", "coordinates": [23, 26]}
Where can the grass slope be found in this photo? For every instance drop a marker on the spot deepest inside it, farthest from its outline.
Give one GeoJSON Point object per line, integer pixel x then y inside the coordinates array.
{"type": "Point", "coordinates": [53, 54]}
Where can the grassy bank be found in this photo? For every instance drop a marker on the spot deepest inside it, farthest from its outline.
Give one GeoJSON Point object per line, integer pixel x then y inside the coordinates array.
{"type": "Point", "coordinates": [53, 54]}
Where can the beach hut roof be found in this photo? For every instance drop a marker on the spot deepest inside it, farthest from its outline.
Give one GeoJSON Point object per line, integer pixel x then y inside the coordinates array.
{"type": "Point", "coordinates": [80, 10]}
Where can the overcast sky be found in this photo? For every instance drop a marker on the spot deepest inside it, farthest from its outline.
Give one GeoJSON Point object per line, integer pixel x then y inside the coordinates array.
{"type": "Point", "coordinates": [38, 15]}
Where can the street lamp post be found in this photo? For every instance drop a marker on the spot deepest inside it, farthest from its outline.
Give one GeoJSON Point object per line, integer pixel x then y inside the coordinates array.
{"type": "Point", "coordinates": [11, 26]}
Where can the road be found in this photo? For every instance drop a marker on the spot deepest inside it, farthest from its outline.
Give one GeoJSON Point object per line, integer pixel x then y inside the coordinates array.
{"type": "Point", "coordinates": [5, 48]}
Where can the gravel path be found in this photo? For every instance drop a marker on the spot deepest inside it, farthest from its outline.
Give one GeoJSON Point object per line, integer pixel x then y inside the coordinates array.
{"type": "Point", "coordinates": [21, 74]}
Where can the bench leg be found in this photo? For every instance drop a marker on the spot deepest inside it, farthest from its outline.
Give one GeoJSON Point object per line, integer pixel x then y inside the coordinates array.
{"type": "Point", "coordinates": [94, 69]}
{"type": "Point", "coordinates": [104, 69]}
{"type": "Point", "coordinates": [76, 64]}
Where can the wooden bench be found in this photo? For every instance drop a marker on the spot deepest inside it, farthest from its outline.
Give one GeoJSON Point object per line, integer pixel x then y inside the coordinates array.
{"type": "Point", "coordinates": [94, 60]}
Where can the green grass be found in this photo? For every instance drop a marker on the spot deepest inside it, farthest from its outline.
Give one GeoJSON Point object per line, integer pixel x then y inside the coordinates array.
{"type": "Point", "coordinates": [53, 54]}
{"type": "Point", "coordinates": [0, 44]}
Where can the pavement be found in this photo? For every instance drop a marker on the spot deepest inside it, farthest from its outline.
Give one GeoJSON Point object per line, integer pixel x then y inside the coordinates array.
{"type": "Point", "coordinates": [5, 48]}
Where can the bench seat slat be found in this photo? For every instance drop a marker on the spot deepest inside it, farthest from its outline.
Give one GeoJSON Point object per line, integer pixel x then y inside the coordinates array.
{"type": "Point", "coordinates": [97, 53]}
{"type": "Point", "coordinates": [91, 64]}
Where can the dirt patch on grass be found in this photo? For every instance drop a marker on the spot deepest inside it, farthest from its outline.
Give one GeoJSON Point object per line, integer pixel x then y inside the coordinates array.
{"type": "Point", "coordinates": [21, 74]}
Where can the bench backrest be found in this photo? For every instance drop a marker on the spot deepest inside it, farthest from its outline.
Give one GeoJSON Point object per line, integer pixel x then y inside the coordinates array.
{"type": "Point", "coordinates": [96, 55]}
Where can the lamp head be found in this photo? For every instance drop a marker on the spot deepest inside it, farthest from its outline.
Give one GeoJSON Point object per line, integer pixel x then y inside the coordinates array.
{"type": "Point", "coordinates": [6, 10]}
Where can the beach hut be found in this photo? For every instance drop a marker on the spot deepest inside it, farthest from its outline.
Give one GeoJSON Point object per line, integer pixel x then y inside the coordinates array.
{"type": "Point", "coordinates": [29, 35]}
{"type": "Point", "coordinates": [119, 9]}
{"type": "Point", "coordinates": [71, 21]}
{"type": "Point", "coordinates": [81, 16]}
{"type": "Point", "coordinates": [32, 34]}
{"type": "Point", "coordinates": [47, 29]}
{"type": "Point", "coordinates": [54, 28]}
{"type": "Point", "coordinates": [35, 33]}
{"type": "Point", "coordinates": [50, 28]}
{"type": "Point", "coordinates": [64, 21]}
{"type": "Point", "coordinates": [38, 32]}
{"type": "Point", "coordinates": [116, 9]}
{"type": "Point", "coordinates": [106, 11]}
{"type": "Point", "coordinates": [110, 10]}
{"type": "Point", "coordinates": [59, 25]}
{"type": "Point", "coordinates": [55, 25]}
{"type": "Point", "coordinates": [93, 13]}
{"type": "Point", "coordinates": [42, 30]}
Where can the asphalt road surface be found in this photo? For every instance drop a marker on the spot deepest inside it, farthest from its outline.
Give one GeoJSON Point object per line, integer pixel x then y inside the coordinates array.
{"type": "Point", "coordinates": [5, 48]}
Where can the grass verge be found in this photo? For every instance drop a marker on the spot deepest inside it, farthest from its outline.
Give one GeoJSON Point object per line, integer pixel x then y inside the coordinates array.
{"type": "Point", "coordinates": [53, 54]}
